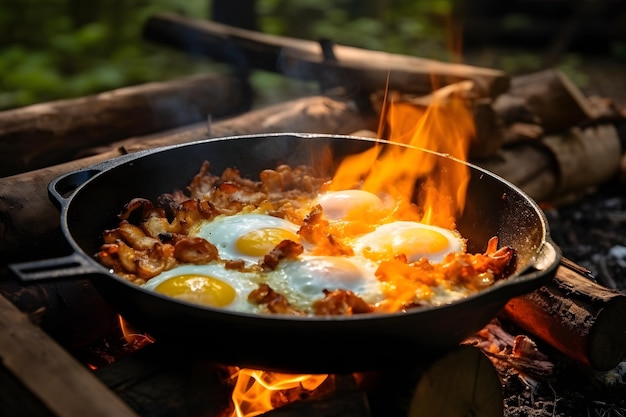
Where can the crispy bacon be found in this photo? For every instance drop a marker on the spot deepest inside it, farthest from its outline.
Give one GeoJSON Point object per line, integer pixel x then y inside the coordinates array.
{"type": "Point", "coordinates": [195, 250]}
{"type": "Point", "coordinates": [285, 249]}
{"type": "Point", "coordinates": [341, 302]}
{"type": "Point", "coordinates": [152, 237]}
{"type": "Point", "coordinates": [273, 301]}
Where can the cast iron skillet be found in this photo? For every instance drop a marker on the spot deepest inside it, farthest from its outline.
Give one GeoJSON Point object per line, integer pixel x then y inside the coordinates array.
{"type": "Point", "coordinates": [90, 199]}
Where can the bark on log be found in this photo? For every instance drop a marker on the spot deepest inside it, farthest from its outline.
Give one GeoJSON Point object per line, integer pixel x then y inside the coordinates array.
{"type": "Point", "coordinates": [554, 99]}
{"type": "Point", "coordinates": [464, 382]}
{"type": "Point", "coordinates": [359, 70]}
{"type": "Point", "coordinates": [583, 320]}
{"type": "Point", "coordinates": [29, 223]}
{"type": "Point", "coordinates": [50, 133]}
{"type": "Point", "coordinates": [558, 165]}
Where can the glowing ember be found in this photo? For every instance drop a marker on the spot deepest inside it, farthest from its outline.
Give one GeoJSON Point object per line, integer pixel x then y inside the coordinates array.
{"type": "Point", "coordinates": [133, 338]}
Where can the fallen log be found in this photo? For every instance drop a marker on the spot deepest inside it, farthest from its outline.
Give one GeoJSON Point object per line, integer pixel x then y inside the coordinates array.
{"type": "Point", "coordinates": [358, 70]}
{"type": "Point", "coordinates": [575, 315]}
{"type": "Point", "coordinates": [51, 133]}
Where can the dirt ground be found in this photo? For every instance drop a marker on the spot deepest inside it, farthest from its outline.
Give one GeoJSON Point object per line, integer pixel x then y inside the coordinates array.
{"type": "Point", "coordinates": [591, 232]}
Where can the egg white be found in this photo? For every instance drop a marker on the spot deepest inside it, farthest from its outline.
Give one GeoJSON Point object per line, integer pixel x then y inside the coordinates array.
{"type": "Point", "coordinates": [303, 281]}
{"type": "Point", "coordinates": [224, 231]}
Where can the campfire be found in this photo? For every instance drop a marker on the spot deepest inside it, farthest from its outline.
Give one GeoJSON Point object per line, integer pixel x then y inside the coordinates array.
{"type": "Point", "coordinates": [505, 125]}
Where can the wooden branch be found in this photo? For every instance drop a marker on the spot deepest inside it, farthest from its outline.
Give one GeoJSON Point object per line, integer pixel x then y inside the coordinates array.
{"type": "Point", "coordinates": [50, 133]}
{"type": "Point", "coordinates": [577, 316]}
{"type": "Point", "coordinates": [63, 385]}
{"type": "Point", "coordinates": [359, 70]}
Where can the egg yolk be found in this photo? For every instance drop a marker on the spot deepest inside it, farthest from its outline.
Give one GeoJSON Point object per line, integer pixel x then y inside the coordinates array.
{"type": "Point", "coordinates": [200, 289]}
{"type": "Point", "coordinates": [339, 204]}
{"type": "Point", "coordinates": [260, 242]}
{"type": "Point", "coordinates": [414, 243]}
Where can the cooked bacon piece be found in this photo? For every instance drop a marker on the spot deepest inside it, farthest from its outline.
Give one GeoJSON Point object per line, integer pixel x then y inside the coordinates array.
{"type": "Point", "coordinates": [341, 302]}
{"type": "Point", "coordinates": [135, 204]}
{"type": "Point", "coordinates": [285, 249]}
{"type": "Point", "coordinates": [273, 301]}
{"type": "Point", "coordinates": [195, 250]}
{"type": "Point", "coordinates": [315, 229]}
{"type": "Point", "coordinates": [136, 237]}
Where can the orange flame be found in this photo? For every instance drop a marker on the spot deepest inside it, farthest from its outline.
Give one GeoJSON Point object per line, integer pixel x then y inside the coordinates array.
{"type": "Point", "coordinates": [444, 126]}
{"type": "Point", "coordinates": [132, 337]}
{"type": "Point", "coordinates": [257, 392]}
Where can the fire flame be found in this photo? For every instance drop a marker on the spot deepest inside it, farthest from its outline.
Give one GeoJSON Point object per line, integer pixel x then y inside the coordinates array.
{"type": "Point", "coordinates": [444, 126]}
{"type": "Point", "coordinates": [257, 392]}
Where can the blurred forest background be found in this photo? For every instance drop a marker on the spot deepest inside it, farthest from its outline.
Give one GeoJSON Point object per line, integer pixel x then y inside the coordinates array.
{"type": "Point", "coordinates": [54, 49]}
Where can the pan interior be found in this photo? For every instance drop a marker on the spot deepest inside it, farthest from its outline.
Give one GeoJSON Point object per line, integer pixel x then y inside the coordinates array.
{"type": "Point", "coordinates": [493, 206]}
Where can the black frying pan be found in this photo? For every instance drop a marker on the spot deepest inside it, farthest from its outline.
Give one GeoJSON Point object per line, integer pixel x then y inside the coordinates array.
{"type": "Point", "coordinates": [90, 199]}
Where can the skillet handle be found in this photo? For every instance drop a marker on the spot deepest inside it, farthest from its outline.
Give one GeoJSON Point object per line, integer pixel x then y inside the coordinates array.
{"type": "Point", "coordinates": [53, 268]}
{"type": "Point", "coordinates": [60, 188]}
{"type": "Point", "coordinates": [546, 263]}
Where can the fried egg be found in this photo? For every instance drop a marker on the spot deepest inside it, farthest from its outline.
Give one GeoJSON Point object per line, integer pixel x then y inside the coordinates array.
{"type": "Point", "coordinates": [413, 239]}
{"type": "Point", "coordinates": [247, 236]}
{"type": "Point", "coordinates": [303, 281]}
{"type": "Point", "coordinates": [209, 285]}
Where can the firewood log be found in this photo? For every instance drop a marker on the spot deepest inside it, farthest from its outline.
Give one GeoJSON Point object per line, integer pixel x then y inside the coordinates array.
{"type": "Point", "coordinates": [62, 384]}
{"type": "Point", "coordinates": [51, 133]}
{"type": "Point", "coordinates": [359, 70]}
{"type": "Point", "coordinates": [580, 318]}
{"type": "Point", "coordinates": [463, 382]}
{"type": "Point", "coordinates": [557, 165]}
{"type": "Point", "coordinates": [554, 99]}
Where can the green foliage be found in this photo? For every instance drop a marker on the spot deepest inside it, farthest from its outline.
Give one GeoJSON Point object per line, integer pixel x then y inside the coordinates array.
{"type": "Point", "coordinates": [59, 57]}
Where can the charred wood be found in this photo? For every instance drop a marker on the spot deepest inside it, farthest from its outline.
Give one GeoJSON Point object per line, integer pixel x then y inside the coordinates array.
{"type": "Point", "coordinates": [582, 319]}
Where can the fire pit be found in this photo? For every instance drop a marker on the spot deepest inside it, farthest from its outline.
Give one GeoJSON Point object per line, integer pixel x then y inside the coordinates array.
{"type": "Point", "coordinates": [525, 370]}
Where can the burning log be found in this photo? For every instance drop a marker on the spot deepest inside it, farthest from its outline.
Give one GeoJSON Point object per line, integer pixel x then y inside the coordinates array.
{"type": "Point", "coordinates": [358, 70]}
{"type": "Point", "coordinates": [580, 318]}
{"type": "Point", "coordinates": [50, 133]}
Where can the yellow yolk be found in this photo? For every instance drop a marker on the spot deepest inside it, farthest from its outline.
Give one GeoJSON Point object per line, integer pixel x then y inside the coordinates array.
{"type": "Point", "coordinates": [415, 240]}
{"type": "Point", "coordinates": [199, 289]}
{"type": "Point", "coordinates": [261, 241]}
